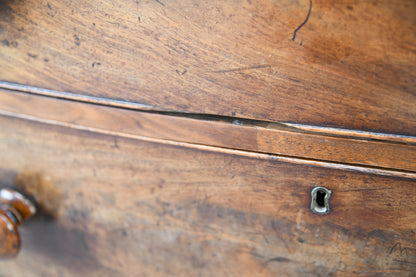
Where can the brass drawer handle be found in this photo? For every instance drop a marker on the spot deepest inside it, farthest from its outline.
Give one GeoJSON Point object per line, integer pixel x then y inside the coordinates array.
{"type": "Point", "coordinates": [14, 210]}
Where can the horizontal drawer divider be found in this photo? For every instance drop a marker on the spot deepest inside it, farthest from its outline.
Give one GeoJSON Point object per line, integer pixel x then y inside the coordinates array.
{"type": "Point", "coordinates": [270, 141]}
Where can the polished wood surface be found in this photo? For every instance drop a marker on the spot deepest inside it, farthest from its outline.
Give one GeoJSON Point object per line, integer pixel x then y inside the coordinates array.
{"type": "Point", "coordinates": [9, 237]}
{"type": "Point", "coordinates": [351, 65]}
{"type": "Point", "coordinates": [186, 137]}
{"type": "Point", "coordinates": [15, 209]}
{"type": "Point", "coordinates": [137, 208]}
{"type": "Point", "coordinates": [395, 153]}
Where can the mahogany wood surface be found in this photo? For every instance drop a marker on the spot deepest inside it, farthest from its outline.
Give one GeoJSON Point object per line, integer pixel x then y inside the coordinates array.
{"type": "Point", "coordinates": [184, 137]}
{"type": "Point", "coordinates": [231, 134]}
{"type": "Point", "coordinates": [351, 65]}
{"type": "Point", "coordinates": [9, 237]}
{"type": "Point", "coordinates": [137, 208]}
{"type": "Point", "coordinates": [15, 209]}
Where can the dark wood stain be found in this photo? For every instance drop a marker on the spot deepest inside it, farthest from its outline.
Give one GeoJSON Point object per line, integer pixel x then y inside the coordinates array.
{"type": "Point", "coordinates": [192, 212]}
{"type": "Point", "coordinates": [40, 187]}
{"type": "Point", "coordinates": [62, 245]}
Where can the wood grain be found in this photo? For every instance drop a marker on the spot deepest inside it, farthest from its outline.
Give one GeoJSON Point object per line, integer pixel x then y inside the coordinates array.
{"type": "Point", "coordinates": [231, 134]}
{"type": "Point", "coordinates": [134, 208]}
{"type": "Point", "coordinates": [352, 65]}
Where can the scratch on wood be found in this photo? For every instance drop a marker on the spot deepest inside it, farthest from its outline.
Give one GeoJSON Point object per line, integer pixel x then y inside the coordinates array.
{"type": "Point", "coordinates": [32, 55]}
{"type": "Point", "coordinates": [394, 246]}
{"type": "Point", "coordinates": [161, 3]}
{"type": "Point", "coordinates": [278, 259]}
{"type": "Point", "coordinates": [254, 254]}
{"type": "Point", "coordinates": [405, 262]}
{"type": "Point", "coordinates": [366, 189]}
{"type": "Point", "coordinates": [402, 251]}
{"type": "Point", "coordinates": [304, 22]}
{"type": "Point", "coordinates": [242, 68]}
{"type": "Point", "coordinates": [116, 143]}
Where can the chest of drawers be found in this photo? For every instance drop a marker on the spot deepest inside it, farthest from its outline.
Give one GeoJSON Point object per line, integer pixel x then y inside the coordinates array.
{"type": "Point", "coordinates": [185, 137]}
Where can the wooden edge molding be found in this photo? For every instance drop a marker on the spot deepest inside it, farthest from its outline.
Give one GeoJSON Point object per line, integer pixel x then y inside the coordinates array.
{"type": "Point", "coordinates": [370, 156]}
{"type": "Point", "coordinates": [327, 131]}
{"type": "Point", "coordinates": [74, 96]}
{"type": "Point", "coordinates": [352, 133]}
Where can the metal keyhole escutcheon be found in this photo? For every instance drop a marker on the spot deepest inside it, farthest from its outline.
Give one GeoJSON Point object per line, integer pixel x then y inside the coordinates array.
{"type": "Point", "coordinates": [320, 200]}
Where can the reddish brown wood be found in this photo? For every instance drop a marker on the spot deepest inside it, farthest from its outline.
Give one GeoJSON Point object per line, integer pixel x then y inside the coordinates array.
{"type": "Point", "coordinates": [153, 194]}
{"type": "Point", "coordinates": [352, 65]}
{"type": "Point", "coordinates": [374, 151]}
{"type": "Point", "coordinates": [14, 210]}
{"type": "Point", "coordinates": [136, 207]}
{"type": "Point", "coordinates": [40, 187]}
{"type": "Point", "coordinates": [9, 237]}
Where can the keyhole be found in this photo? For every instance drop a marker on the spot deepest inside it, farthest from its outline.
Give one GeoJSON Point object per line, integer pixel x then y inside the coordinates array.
{"type": "Point", "coordinates": [320, 200]}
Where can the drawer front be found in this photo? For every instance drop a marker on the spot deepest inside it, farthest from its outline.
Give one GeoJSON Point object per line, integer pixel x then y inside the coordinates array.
{"type": "Point", "coordinates": [349, 64]}
{"type": "Point", "coordinates": [137, 208]}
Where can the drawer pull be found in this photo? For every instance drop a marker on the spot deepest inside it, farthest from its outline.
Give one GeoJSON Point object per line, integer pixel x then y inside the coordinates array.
{"type": "Point", "coordinates": [320, 200]}
{"type": "Point", "coordinates": [14, 210]}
